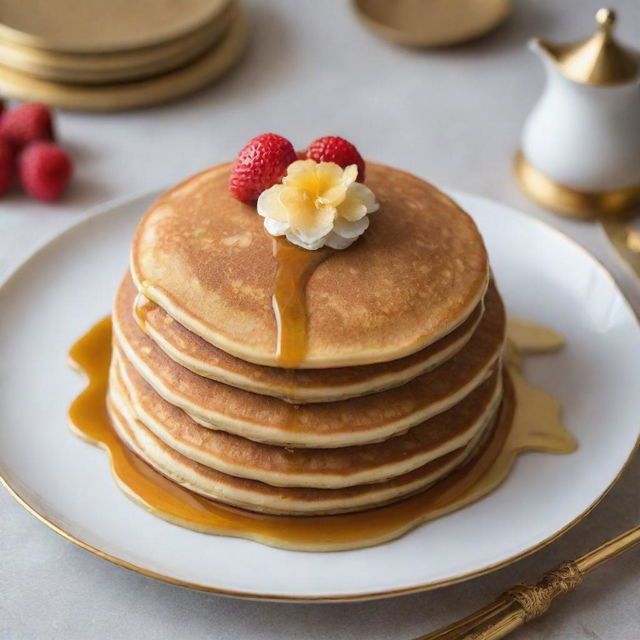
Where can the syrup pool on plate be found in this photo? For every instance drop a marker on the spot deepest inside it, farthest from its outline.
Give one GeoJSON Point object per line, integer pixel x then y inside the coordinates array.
{"type": "Point", "coordinates": [528, 420]}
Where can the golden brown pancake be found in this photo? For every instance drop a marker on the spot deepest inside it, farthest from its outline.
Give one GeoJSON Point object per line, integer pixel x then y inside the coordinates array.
{"type": "Point", "coordinates": [412, 278]}
{"type": "Point", "coordinates": [294, 385]}
{"type": "Point", "coordinates": [320, 468]}
{"type": "Point", "coordinates": [330, 424]}
{"type": "Point", "coordinates": [258, 496]}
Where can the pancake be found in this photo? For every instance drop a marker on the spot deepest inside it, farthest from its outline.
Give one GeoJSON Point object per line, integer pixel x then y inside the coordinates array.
{"type": "Point", "coordinates": [337, 424]}
{"type": "Point", "coordinates": [417, 273]}
{"type": "Point", "coordinates": [297, 385]}
{"type": "Point", "coordinates": [320, 468]}
{"type": "Point", "coordinates": [261, 497]}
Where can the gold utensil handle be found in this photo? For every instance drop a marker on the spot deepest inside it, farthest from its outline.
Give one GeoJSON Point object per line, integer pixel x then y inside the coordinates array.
{"type": "Point", "coordinates": [525, 602]}
{"type": "Point", "coordinates": [625, 240]}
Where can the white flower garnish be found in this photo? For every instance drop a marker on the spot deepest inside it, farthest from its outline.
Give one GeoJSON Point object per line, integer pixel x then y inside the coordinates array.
{"type": "Point", "coordinates": [318, 204]}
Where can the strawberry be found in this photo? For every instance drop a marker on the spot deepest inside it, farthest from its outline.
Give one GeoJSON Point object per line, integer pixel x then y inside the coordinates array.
{"type": "Point", "coordinates": [7, 165]}
{"type": "Point", "coordinates": [262, 163]}
{"type": "Point", "coordinates": [338, 150]}
{"type": "Point", "coordinates": [44, 170]}
{"type": "Point", "coordinates": [28, 122]}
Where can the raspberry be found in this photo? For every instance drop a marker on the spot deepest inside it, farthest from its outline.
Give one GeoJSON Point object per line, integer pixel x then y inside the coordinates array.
{"type": "Point", "coordinates": [44, 170]}
{"type": "Point", "coordinates": [262, 163]}
{"type": "Point", "coordinates": [7, 167]}
{"type": "Point", "coordinates": [26, 123]}
{"type": "Point", "coordinates": [338, 150]}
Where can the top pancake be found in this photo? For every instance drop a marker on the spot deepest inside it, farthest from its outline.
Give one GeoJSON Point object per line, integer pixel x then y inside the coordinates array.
{"type": "Point", "coordinates": [415, 275]}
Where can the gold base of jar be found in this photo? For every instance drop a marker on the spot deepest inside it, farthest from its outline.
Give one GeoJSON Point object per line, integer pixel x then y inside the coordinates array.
{"type": "Point", "coordinates": [571, 202]}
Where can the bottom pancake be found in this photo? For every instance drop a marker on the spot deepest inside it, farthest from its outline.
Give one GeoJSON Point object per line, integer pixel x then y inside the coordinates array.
{"type": "Point", "coordinates": [264, 498]}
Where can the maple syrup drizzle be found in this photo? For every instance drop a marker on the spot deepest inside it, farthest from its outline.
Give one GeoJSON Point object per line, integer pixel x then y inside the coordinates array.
{"type": "Point", "coordinates": [141, 307]}
{"type": "Point", "coordinates": [295, 266]}
{"type": "Point", "coordinates": [529, 420]}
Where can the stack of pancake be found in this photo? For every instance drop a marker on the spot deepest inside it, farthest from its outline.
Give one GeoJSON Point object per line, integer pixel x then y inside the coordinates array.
{"type": "Point", "coordinates": [400, 381]}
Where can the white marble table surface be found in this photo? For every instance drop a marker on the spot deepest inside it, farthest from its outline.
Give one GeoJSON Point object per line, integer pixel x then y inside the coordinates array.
{"type": "Point", "coordinates": [452, 116]}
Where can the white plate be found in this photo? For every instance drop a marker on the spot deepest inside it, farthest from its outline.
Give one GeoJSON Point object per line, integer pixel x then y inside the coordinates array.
{"type": "Point", "coordinates": [65, 287]}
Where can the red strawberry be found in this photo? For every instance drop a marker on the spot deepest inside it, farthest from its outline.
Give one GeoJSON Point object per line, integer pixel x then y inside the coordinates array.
{"type": "Point", "coordinates": [45, 170]}
{"type": "Point", "coordinates": [7, 166]}
{"type": "Point", "coordinates": [262, 163]}
{"type": "Point", "coordinates": [26, 123]}
{"type": "Point", "coordinates": [338, 150]}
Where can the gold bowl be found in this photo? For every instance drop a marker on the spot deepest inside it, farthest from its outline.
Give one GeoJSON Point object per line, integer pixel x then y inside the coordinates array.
{"type": "Point", "coordinates": [431, 23]}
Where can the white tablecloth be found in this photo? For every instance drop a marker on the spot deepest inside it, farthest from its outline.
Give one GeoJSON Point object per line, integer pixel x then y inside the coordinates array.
{"type": "Point", "coordinates": [452, 116]}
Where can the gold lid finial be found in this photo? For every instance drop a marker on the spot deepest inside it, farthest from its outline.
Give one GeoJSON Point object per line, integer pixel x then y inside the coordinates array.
{"type": "Point", "coordinates": [598, 60]}
{"type": "Point", "coordinates": [606, 18]}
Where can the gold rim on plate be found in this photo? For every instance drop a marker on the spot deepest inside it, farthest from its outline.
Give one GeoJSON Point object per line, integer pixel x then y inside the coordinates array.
{"type": "Point", "coordinates": [327, 598]}
{"type": "Point", "coordinates": [101, 68]}
{"type": "Point", "coordinates": [131, 24]}
{"type": "Point", "coordinates": [131, 95]}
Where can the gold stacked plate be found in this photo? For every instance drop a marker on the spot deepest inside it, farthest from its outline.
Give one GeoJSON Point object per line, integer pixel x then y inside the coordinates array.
{"type": "Point", "coordinates": [103, 56]}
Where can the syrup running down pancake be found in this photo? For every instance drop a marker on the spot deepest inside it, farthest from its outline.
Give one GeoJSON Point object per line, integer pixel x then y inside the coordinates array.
{"type": "Point", "coordinates": [299, 385]}
{"type": "Point", "coordinates": [355, 421]}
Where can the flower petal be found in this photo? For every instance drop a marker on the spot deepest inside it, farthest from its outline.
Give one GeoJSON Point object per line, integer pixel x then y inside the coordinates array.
{"type": "Point", "coordinates": [303, 215]}
{"type": "Point", "coordinates": [329, 173]}
{"type": "Point", "coordinates": [275, 227]}
{"type": "Point", "coordinates": [297, 240]}
{"type": "Point", "coordinates": [350, 175]}
{"type": "Point", "coordinates": [301, 166]}
{"type": "Point", "coordinates": [301, 174]}
{"type": "Point", "coordinates": [365, 195]}
{"type": "Point", "coordinates": [330, 186]}
{"type": "Point", "coordinates": [351, 209]}
{"type": "Point", "coordinates": [342, 179]}
{"type": "Point", "coordinates": [347, 229]}
{"type": "Point", "coordinates": [269, 204]}
{"type": "Point", "coordinates": [335, 241]}
{"type": "Point", "coordinates": [324, 226]}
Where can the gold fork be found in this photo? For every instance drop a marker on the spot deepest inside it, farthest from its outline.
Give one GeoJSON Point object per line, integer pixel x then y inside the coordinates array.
{"type": "Point", "coordinates": [525, 602]}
